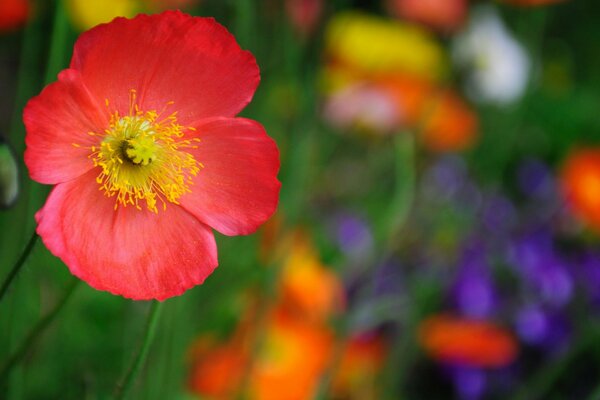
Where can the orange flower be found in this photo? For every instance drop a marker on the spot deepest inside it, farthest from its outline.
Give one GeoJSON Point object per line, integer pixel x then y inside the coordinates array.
{"type": "Point", "coordinates": [445, 15]}
{"type": "Point", "coordinates": [359, 367]}
{"type": "Point", "coordinates": [467, 342]}
{"type": "Point", "coordinates": [308, 288]}
{"type": "Point", "coordinates": [217, 369]}
{"type": "Point", "coordinates": [13, 13]}
{"type": "Point", "coordinates": [448, 124]}
{"type": "Point", "coordinates": [291, 361]}
{"type": "Point", "coordinates": [580, 179]}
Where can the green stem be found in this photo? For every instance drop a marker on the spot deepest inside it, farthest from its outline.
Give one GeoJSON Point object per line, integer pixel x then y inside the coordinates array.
{"type": "Point", "coordinates": [124, 386]}
{"type": "Point", "coordinates": [17, 267]}
{"type": "Point", "coordinates": [60, 33]}
{"type": "Point", "coordinates": [37, 330]}
{"type": "Point", "coordinates": [404, 189]}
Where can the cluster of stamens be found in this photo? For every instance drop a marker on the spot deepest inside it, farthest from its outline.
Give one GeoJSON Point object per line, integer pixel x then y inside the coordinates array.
{"type": "Point", "coordinates": [143, 157]}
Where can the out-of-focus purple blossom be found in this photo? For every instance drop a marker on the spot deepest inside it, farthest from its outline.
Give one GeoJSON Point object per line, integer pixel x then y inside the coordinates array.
{"type": "Point", "coordinates": [538, 327]}
{"type": "Point", "coordinates": [473, 292]}
{"type": "Point", "coordinates": [589, 274]}
{"type": "Point", "coordinates": [470, 383]}
{"type": "Point", "coordinates": [555, 284]}
{"type": "Point", "coordinates": [498, 214]}
{"type": "Point", "coordinates": [388, 279]}
{"type": "Point", "coordinates": [526, 254]}
{"type": "Point", "coordinates": [470, 197]}
{"type": "Point", "coordinates": [535, 179]}
{"type": "Point", "coordinates": [352, 234]}
{"type": "Point", "coordinates": [536, 260]}
{"type": "Point", "coordinates": [446, 177]}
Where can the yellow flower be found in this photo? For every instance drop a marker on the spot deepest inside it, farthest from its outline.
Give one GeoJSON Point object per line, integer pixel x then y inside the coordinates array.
{"type": "Point", "coordinates": [374, 45]}
{"type": "Point", "coordinates": [85, 14]}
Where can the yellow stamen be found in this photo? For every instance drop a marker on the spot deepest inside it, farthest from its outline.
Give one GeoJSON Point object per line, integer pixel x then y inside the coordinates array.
{"type": "Point", "coordinates": [143, 157]}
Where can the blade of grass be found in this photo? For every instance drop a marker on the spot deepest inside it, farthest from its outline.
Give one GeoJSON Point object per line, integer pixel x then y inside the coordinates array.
{"type": "Point", "coordinates": [37, 330]}
{"type": "Point", "coordinates": [123, 388]}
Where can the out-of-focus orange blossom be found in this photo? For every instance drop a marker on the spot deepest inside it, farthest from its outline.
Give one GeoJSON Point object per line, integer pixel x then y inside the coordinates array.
{"type": "Point", "coordinates": [283, 351]}
{"type": "Point", "coordinates": [217, 368]}
{"type": "Point", "coordinates": [390, 94]}
{"type": "Point", "coordinates": [307, 287]}
{"type": "Point", "coordinates": [580, 182]}
{"type": "Point", "coordinates": [13, 14]}
{"type": "Point", "coordinates": [444, 15]}
{"type": "Point", "coordinates": [448, 124]}
{"type": "Point", "coordinates": [362, 360]}
{"type": "Point", "coordinates": [293, 356]}
{"type": "Point", "coordinates": [467, 342]}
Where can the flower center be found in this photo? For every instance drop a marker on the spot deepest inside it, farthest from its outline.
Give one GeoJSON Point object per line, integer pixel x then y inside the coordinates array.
{"type": "Point", "coordinates": [143, 157]}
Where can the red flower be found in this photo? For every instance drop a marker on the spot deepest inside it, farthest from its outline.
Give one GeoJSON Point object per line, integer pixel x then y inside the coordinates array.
{"type": "Point", "coordinates": [13, 14]}
{"type": "Point", "coordinates": [140, 139]}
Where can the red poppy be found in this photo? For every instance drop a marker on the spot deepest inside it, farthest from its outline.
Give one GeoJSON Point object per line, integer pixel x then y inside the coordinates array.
{"type": "Point", "coordinates": [580, 178]}
{"type": "Point", "coordinates": [13, 13]}
{"type": "Point", "coordinates": [140, 139]}
{"type": "Point", "coordinates": [467, 342]}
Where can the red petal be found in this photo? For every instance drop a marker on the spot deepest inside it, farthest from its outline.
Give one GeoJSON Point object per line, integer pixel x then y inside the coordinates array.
{"type": "Point", "coordinates": [237, 190]}
{"type": "Point", "coordinates": [133, 253]}
{"type": "Point", "coordinates": [61, 116]}
{"type": "Point", "coordinates": [194, 62]}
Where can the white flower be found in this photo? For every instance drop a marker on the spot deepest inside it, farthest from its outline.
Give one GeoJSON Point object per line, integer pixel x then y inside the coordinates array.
{"type": "Point", "coordinates": [498, 64]}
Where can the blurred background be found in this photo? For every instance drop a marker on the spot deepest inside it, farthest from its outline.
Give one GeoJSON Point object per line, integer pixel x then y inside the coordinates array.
{"type": "Point", "coordinates": [438, 229]}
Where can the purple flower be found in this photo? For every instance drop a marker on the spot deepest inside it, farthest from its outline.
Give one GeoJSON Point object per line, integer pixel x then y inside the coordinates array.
{"type": "Point", "coordinates": [535, 179]}
{"type": "Point", "coordinates": [470, 383]}
{"type": "Point", "coordinates": [352, 234]}
{"type": "Point", "coordinates": [388, 279]}
{"type": "Point", "coordinates": [544, 272]}
{"type": "Point", "coordinates": [473, 292]}
{"type": "Point", "coordinates": [498, 214]}
{"type": "Point", "coordinates": [538, 327]}
{"type": "Point", "coordinates": [589, 274]}
{"type": "Point", "coordinates": [446, 177]}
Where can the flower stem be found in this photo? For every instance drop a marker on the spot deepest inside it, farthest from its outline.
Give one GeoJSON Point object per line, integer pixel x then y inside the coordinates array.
{"type": "Point", "coordinates": [60, 35]}
{"type": "Point", "coordinates": [37, 330]}
{"type": "Point", "coordinates": [151, 323]}
{"type": "Point", "coordinates": [404, 191]}
{"type": "Point", "coordinates": [17, 267]}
